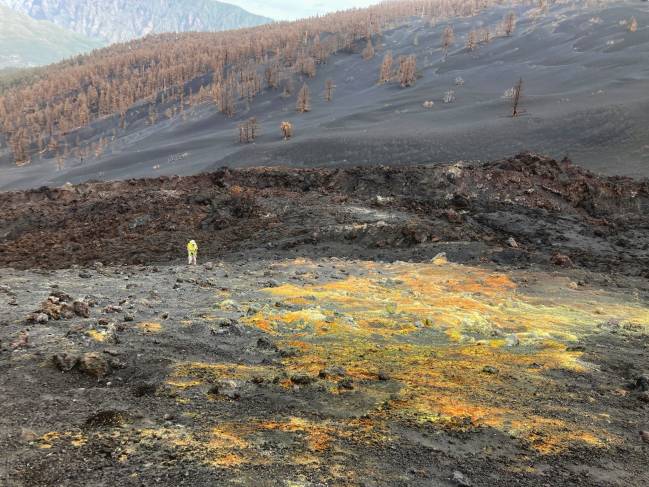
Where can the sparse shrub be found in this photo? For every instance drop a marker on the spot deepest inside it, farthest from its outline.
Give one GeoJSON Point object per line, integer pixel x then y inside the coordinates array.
{"type": "Point", "coordinates": [508, 94]}
{"type": "Point", "coordinates": [449, 96]}
{"type": "Point", "coordinates": [478, 326]}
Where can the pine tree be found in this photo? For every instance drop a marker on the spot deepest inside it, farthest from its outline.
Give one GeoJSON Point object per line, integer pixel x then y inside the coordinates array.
{"type": "Point", "coordinates": [368, 52]}
{"type": "Point", "coordinates": [306, 66]}
{"type": "Point", "coordinates": [287, 130]}
{"type": "Point", "coordinates": [304, 99]}
{"type": "Point", "coordinates": [288, 87]}
{"type": "Point", "coordinates": [509, 24]}
{"type": "Point", "coordinates": [153, 114]}
{"type": "Point", "coordinates": [227, 99]}
{"type": "Point", "coordinates": [84, 112]}
{"type": "Point", "coordinates": [472, 41]}
{"type": "Point", "coordinates": [448, 37]}
{"type": "Point", "coordinates": [248, 131]}
{"type": "Point", "coordinates": [407, 71]}
{"type": "Point", "coordinates": [272, 75]}
{"type": "Point", "coordinates": [385, 74]}
{"type": "Point", "coordinates": [485, 36]}
{"type": "Point", "coordinates": [20, 147]}
{"type": "Point", "coordinates": [516, 100]}
{"type": "Point", "coordinates": [329, 90]}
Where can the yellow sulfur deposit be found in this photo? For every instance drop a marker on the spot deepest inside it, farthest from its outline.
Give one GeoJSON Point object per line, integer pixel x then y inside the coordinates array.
{"type": "Point", "coordinates": [434, 346]}
{"type": "Point", "coordinates": [150, 327]}
{"type": "Point", "coordinates": [436, 328]}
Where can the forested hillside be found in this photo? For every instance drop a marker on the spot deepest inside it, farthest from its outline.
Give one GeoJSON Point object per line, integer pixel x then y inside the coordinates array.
{"type": "Point", "coordinates": [231, 67]}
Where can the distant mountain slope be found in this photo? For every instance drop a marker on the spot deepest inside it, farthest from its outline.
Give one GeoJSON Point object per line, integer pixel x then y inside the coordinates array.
{"type": "Point", "coordinates": [27, 42]}
{"type": "Point", "coordinates": [122, 20]}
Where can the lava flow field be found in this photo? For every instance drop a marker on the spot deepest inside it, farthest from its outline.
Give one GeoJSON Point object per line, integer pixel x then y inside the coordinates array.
{"type": "Point", "coordinates": [448, 325]}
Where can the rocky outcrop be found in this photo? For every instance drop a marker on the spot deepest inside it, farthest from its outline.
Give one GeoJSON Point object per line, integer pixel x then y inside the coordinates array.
{"type": "Point", "coordinates": [556, 213]}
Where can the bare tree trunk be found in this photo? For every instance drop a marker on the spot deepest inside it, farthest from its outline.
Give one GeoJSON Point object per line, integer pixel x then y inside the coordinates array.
{"type": "Point", "coordinates": [518, 90]}
{"type": "Point", "coordinates": [329, 90]}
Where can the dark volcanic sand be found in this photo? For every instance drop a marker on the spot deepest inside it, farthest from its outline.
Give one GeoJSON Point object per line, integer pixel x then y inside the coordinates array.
{"type": "Point", "coordinates": [244, 416]}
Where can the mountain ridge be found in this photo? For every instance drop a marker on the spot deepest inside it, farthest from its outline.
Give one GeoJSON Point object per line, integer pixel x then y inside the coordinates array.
{"type": "Point", "coordinates": [27, 42]}
{"type": "Point", "coordinates": [121, 20]}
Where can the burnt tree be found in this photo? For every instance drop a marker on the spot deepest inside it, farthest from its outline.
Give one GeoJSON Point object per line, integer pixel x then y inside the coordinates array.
{"type": "Point", "coordinates": [516, 99]}
{"type": "Point", "coordinates": [248, 131]}
{"type": "Point", "coordinates": [329, 90]}
{"type": "Point", "coordinates": [287, 130]}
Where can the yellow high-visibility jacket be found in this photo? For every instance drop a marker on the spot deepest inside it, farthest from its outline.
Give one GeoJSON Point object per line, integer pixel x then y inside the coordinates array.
{"type": "Point", "coordinates": [192, 248]}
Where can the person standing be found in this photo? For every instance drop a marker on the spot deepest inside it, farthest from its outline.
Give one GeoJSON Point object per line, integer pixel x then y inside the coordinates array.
{"type": "Point", "coordinates": [192, 252]}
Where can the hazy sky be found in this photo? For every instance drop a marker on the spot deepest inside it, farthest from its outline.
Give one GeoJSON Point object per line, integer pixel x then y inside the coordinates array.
{"type": "Point", "coordinates": [288, 10]}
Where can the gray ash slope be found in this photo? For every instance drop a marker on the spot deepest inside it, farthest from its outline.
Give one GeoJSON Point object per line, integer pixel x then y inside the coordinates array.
{"type": "Point", "coordinates": [585, 95]}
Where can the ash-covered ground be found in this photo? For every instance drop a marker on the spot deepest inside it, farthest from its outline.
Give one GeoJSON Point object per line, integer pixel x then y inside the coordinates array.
{"type": "Point", "coordinates": [322, 340]}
